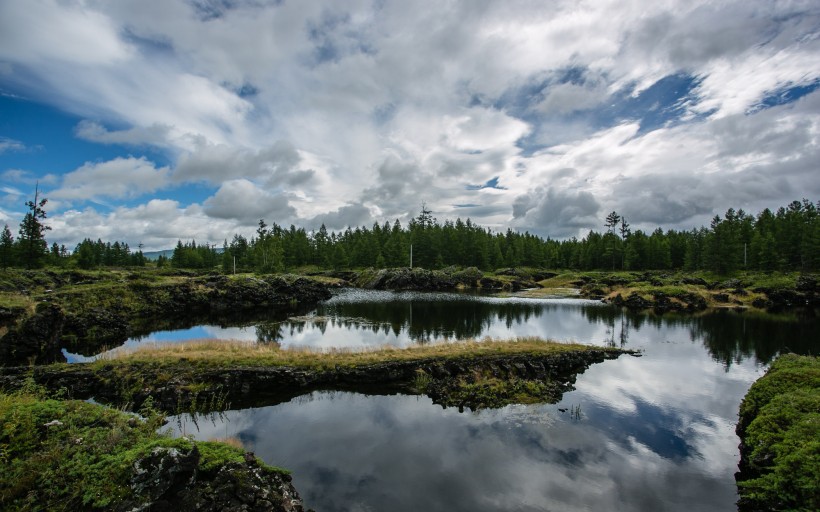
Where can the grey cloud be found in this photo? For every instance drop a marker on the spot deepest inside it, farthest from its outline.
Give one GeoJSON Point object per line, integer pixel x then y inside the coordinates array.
{"type": "Point", "coordinates": [350, 215]}
{"type": "Point", "coordinates": [243, 201]}
{"type": "Point", "coordinates": [155, 135]}
{"type": "Point", "coordinates": [557, 213]}
{"type": "Point", "coordinates": [218, 162]}
{"type": "Point", "coordinates": [565, 98]}
{"type": "Point", "coordinates": [767, 131]}
{"type": "Point", "coordinates": [687, 201]}
{"type": "Point", "coordinates": [400, 185]}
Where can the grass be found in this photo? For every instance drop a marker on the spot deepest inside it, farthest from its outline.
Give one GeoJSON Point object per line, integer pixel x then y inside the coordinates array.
{"type": "Point", "coordinates": [240, 353]}
{"type": "Point", "coordinates": [73, 455]}
{"type": "Point", "coordinates": [780, 429]}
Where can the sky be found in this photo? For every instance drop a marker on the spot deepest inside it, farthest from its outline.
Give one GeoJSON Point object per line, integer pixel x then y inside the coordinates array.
{"type": "Point", "coordinates": [149, 121]}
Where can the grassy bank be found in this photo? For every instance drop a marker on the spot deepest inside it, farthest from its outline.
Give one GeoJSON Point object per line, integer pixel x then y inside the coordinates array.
{"type": "Point", "coordinates": [205, 376]}
{"type": "Point", "coordinates": [682, 289]}
{"type": "Point", "coordinates": [217, 353]}
{"type": "Point", "coordinates": [73, 455]}
{"type": "Point", "coordinates": [779, 428]}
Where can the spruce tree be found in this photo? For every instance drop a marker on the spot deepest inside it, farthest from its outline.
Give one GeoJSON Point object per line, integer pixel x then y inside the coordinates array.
{"type": "Point", "coordinates": [6, 248]}
{"type": "Point", "coordinates": [32, 241]}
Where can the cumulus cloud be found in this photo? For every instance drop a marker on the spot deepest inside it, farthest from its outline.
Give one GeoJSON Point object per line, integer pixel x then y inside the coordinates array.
{"type": "Point", "coordinates": [556, 212]}
{"type": "Point", "coordinates": [242, 200]}
{"type": "Point", "coordinates": [357, 112]}
{"type": "Point", "coordinates": [276, 163]}
{"type": "Point", "coordinates": [350, 215]}
{"type": "Point", "coordinates": [116, 179]}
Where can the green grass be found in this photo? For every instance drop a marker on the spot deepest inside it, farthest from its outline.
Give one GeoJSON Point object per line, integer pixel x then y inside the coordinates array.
{"type": "Point", "coordinates": [780, 427]}
{"type": "Point", "coordinates": [73, 455]}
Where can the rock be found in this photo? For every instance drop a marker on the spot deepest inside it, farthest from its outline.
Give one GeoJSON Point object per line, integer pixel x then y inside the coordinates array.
{"type": "Point", "coordinates": [806, 283]}
{"type": "Point", "coordinates": [730, 284]}
{"type": "Point", "coordinates": [36, 340]}
{"type": "Point", "coordinates": [169, 479]}
{"type": "Point", "coordinates": [761, 303]}
{"type": "Point", "coordinates": [8, 316]}
{"type": "Point", "coordinates": [696, 281]}
{"type": "Point", "coordinates": [636, 302]}
{"type": "Point", "coordinates": [164, 473]}
{"type": "Point", "coordinates": [721, 297]}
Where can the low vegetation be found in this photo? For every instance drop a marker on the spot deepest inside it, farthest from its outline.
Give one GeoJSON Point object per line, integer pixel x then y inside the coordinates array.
{"type": "Point", "coordinates": [73, 455]}
{"type": "Point", "coordinates": [779, 428]}
{"type": "Point", "coordinates": [238, 353]}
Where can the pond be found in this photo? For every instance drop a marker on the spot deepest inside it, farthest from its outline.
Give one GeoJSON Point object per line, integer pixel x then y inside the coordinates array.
{"type": "Point", "coordinates": [638, 433]}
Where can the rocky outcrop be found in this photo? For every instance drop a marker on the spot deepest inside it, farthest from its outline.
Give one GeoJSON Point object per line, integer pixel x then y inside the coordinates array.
{"type": "Point", "coordinates": [407, 279]}
{"type": "Point", "coordinates": [806, 293]}
{"type": "Point", "coordinates": [37, 339]}
{"type": "Point", "coordinates": [170, 479]}
{"type": "Point", "coordinates": [451, 278]}
{"type": "Point", "coordinates": [661, 302]}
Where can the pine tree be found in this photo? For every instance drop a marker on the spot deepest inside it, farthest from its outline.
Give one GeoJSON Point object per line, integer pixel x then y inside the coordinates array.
{"type": "Point", "coordinates": [32, 240]}
{"type": "Point", "coordinates": [6, 248]}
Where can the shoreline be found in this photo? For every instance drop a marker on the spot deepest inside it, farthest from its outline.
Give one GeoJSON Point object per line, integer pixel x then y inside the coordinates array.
{"type": "Point", "coordinates": [471, 374]}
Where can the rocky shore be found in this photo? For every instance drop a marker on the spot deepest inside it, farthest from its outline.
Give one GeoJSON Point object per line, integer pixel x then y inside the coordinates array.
{"type": "Point", "coordinates": [83, 316]}
{"type": "Point", "coordinates": [68, 454]}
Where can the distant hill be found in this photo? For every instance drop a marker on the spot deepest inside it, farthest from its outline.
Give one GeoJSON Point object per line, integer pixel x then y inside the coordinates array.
{"type": "Point", "coordinates": [154, 255]}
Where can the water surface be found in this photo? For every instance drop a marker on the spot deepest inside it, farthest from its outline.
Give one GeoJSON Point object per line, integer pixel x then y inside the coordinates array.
{"type": "Point", "coordinates": [648, 433]}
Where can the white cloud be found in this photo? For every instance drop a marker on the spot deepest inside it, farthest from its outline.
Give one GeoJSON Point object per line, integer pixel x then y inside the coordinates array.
{"type": "Point", "coordinates": [7, 144]}
{"type": "Point", "coordinates": [340, 111]}
{"type": "Point", "coordinates": [116, 179]}
{"type": "Point", "coordinates": [47, 30]}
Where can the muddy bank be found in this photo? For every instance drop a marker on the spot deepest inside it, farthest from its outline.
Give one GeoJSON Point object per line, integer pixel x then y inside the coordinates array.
{"type": "Point", "coordinates": [471, 382]}
{"type": "Point", "coordinates": [86, 318]}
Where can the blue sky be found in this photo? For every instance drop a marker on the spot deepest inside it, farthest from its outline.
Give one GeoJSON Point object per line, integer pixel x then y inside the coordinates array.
{"type": "Point", "coordinates": [149, 121]}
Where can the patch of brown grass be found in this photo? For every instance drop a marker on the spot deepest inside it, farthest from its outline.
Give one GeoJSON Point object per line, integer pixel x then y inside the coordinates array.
{"type": "Point", "coordinates": [244, 353]}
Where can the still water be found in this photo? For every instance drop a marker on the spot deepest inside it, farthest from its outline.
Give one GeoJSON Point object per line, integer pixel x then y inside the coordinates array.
{"type": "Point", "coordinates": [638, 433]}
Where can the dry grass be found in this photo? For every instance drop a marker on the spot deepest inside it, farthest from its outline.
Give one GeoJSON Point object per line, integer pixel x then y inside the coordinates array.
{"type": "Point", "coordinates": [230, 441]}
{"type": "Point", "coordinates": [243, 353]}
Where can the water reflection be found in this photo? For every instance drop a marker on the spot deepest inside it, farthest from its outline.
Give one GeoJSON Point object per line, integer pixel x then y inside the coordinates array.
{"type": "Point", "coordinates": [648, 433]}
{"type": "Point", "coordinates": [362, 318]}
{"type": "Point", "coordinates": [403, 453]}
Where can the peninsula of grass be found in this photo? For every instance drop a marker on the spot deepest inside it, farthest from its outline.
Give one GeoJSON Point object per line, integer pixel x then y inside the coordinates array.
{"type": "Point", "coordinates": [206, 375]}
{"type": "Point", "coordinates": [779, 429]}
{"type": "Point", "coordinates": [220, 353]}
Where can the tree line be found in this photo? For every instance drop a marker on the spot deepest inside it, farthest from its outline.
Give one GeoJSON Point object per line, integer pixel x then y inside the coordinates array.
{"type": "Point", "coordinates": [785, 239]}
{"type": "Point", "coordinates": [31, 250]}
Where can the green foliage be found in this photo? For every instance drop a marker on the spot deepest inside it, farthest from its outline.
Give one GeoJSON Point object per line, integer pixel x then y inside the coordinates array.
{"type": "Point", "coordinates": [72, 455]}
{"type": "Point", "coordinates": [780, 426]}
{"type": "Point", "coordinates": [89, 254]}
{"type": "Point", "coordinates": [32, 245]}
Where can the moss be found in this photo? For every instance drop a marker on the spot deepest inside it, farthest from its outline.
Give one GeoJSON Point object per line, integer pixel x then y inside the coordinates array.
{"type": "Point", "coordinates": [64, 455]}
{"type": "Point", "coordinates": [779, 429]}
